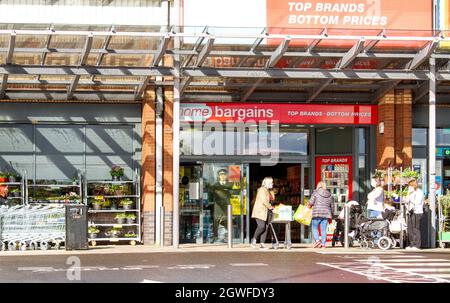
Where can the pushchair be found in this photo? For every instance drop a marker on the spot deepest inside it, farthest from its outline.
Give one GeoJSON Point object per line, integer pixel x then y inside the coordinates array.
{"type": "Point", "coordinates": [379, 230]}
{"type": "Point", "coordinates": [355, 217]}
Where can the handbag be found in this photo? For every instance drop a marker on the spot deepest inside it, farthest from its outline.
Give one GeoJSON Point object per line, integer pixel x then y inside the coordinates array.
{"type": "Point", "coordinates": [303, 215]}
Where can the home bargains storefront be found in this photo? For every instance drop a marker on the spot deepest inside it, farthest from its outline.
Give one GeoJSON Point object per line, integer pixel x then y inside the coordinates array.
{"type": "Point", "coordinates": [228, 148]}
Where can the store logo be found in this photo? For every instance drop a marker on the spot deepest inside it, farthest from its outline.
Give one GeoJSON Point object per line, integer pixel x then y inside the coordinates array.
{"type": "Point", "coordinates": [195, 112]}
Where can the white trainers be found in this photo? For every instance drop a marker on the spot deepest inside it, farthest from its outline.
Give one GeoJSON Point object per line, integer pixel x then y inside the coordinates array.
{"type": "Point", "coordinates": [263, 247]}
{"type": "Point", "coordinates": [415, 248]}
{"type": "Point", "coordinates": [253, 243]}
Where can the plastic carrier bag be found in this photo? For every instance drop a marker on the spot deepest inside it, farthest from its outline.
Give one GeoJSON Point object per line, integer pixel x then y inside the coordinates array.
{"type": "Point", "coordinates": [303, 215]}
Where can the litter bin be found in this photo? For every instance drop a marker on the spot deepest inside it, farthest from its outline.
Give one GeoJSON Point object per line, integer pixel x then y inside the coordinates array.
{"type": "Point", "coordinates": [425, 228]}
{"type": "Point", "coordinates": [76, 227]}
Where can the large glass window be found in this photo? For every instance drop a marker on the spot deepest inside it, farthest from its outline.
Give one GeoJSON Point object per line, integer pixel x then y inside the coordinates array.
{"type": "Point", "coordinates": [443, 136]}
{"type": "Point", "coordinates": [252, 141]}
{"type": "Point", "coordinates": [419, 136]}
{"type": "Point", "coordinates": [334, 140]}
{"type": "Point", "coordinates": [59, 152]}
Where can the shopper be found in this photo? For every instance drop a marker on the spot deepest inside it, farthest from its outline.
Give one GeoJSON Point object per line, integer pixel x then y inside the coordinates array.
{"type": "Point", "coordinates": [3, 194]}
{"type": "Point", "coordinates": [220, 193]}
{"type": "Point", "coordinates": [414, 202]}
{"type": "Point", "coordinates": [320, 202]}
{"type": "Point", "coordinates": [260, 212]}
{"type": "Point", "coordinates": [375, 199]}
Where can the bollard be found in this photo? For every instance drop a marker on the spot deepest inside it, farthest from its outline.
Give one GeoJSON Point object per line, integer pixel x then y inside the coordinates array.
{"type": "Point", "coordinates": [346, 225]}
{"type": "Point", "coordinates": [230, 227]}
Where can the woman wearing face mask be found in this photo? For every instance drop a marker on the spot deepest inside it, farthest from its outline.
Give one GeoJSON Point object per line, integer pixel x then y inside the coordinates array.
{"type": "Point", "coordinates": [375, 199]}
{"type": "Point", "coordinates": [415, 207]}
{"type": "Point", "coordinates": [260, 212]}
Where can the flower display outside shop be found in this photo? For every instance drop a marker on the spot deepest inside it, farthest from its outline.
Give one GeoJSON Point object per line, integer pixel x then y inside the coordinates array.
{"type": "Point", "coordinates": [116, 172]}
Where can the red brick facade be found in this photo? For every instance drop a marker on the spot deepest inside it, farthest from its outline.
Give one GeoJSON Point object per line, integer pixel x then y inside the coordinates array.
{"type": "Point", "coordinates": [394, 147]}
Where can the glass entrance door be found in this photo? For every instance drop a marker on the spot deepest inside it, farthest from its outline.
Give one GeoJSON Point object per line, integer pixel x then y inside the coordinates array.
{"type": "Point", "coordinates": [206, 190]}
{"type": "Point", "coordinates": [224, 184]}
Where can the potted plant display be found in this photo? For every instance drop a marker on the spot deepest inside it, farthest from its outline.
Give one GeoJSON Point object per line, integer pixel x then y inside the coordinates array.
{"type": "Point", "coordinates": [116, 231]}
{"type": "Point", "coordinates": [130, 234]}
{"type": "Point", "coordinates": [120, 218]}
{"type": "Point", "coordinates": [116, 172]}
{"type": "Point", "coordinates": [116, 190]}
{"type": "Point", "coordinates": [409, 174]}
{"type": "Point", "coordinates": [14, 177]}
{"type": "Point", "coordinates": [93, 232]}
{"type": "Point", "coordinates": [126, 203]}
{"type": "Point", "coordinates": [131, 218]}
{"type": "Point", "coordinates": [113, 204]}
{"type": "Point", "coordinates": [97, 203]}
{"type": "Point", "coordinates": [444, 223]}
{"type": "Point", "coordinates": [3, 177]}
{"type": "Point", "coordinates": [15, 192]}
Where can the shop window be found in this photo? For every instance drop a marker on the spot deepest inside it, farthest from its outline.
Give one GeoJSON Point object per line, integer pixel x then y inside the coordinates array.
{"type": "Point", "coordinates": [419, 136]}
{"type": "Point", "coordinates": [16, 148]}
{"type": "Point", "coordinates": [107, 146]}
{"type": "Point", "coordinates": [59, 152]}
{"type": "Point", "coordinates": [251, 142]}
{"type": "Point", "coordinates": [334, 140]}
{"type": "Point", "coordinates": [443, 136]}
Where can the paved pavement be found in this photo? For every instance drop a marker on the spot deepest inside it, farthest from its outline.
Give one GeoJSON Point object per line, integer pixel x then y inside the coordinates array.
{"type": "Point", "coordinates": [218, 264]}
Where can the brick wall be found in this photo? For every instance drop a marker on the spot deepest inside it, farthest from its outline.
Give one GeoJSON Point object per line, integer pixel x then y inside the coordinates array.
{"type": "Point", "coordinates": [168, 164]}
{"type": "Point", "coordinates": [394, 147]}
{"type": "Point", "coordinates": [148, 165]}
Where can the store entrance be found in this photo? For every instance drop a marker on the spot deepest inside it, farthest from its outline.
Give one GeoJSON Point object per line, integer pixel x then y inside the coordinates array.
{"type": "Point", "coordinates": [291, 187]}
{"type": "Point", "coordinates": [206, 191]}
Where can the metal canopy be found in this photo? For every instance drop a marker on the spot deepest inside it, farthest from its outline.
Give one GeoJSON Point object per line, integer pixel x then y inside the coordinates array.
{"type": "Point", "coordinates": [107, 63]}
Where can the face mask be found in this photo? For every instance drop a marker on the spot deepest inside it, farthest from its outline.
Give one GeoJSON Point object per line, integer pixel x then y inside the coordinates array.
{"type": "Point", "coordinates": [410, 188]}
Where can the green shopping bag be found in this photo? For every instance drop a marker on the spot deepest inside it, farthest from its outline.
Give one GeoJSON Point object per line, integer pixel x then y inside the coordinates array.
{"type": "Point", "coordinates": [303, 215]}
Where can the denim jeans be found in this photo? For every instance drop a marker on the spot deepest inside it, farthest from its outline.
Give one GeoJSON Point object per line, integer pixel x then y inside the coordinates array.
{"type": "Point", "coordinates": [374, 213]}
{"type": "Point", "coordinates": [322, 222]}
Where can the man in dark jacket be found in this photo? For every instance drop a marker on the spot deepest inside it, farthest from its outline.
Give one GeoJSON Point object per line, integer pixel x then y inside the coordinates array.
{"type": "Point", "coordinates": [220, 193]}
{"type": "Point", "coordinates": [320, 202]}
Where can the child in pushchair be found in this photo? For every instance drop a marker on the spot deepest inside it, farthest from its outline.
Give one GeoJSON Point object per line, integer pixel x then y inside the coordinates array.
{"type": "Point", "coordinates": [367, 231]}
{"type": "Point", "coordinates": [379, 231]}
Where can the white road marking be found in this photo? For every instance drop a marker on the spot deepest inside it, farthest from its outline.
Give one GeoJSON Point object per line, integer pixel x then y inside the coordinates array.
{"type": "Point", "coordinates": [406, 256]}
{"type": "Point", "coordinates": [150, 281]}
{"type": "Point", "coordinates": [36, 269]}
{"type": "Point", "coordinates": [442, 275]}
{"type": "Point", "coordinates": [249, 264]}
{"type": "Point", "coordinates": [406, 260]}
{"type": "Point", "coordinates": [358, 253]}
{"type": "Point", "coordinates": [375, 277]}
{"type": "Point", "coordinates": [419, 264]}
{"type": "Point", "coordinates": [192, 266]}
{"type": "Point", "coordinates": [430, 270]}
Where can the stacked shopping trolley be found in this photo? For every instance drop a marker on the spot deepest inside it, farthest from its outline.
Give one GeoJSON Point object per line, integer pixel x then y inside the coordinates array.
{"type": "Point", "coordinates": [33, 227]}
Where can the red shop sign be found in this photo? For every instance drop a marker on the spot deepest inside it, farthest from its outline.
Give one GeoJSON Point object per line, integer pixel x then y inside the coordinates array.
{"type": "Point", "coordinates": [280, 112]}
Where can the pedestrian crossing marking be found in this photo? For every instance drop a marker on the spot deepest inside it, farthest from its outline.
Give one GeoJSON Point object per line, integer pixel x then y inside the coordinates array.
{"type": "Point", "coordinates": [408, 260]}
{"type": "Point", "coordinates": [397, 270]}
{"type": "Point", "coordinates": [249, 264]}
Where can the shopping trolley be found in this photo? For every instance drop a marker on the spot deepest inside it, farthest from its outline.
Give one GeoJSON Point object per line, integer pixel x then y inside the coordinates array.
{"type": "Point", "coordinates": [33, 227]}
{"type": "Point", "coordinates": [284, 216]}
